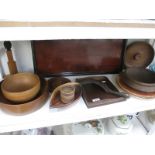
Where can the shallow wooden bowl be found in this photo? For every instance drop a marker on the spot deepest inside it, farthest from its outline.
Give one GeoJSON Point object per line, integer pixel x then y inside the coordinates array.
{"type": "Point", "coordinates": [20, 87]}
{"type": "Point", "coordinates": [56, 101]}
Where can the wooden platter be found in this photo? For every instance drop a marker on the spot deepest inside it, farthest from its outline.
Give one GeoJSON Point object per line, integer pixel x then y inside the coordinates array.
{"type": "Point", "coordinates": [133, 91]}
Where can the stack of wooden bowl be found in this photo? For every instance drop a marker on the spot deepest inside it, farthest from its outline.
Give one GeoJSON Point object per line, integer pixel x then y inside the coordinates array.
{"type": "Point", "coordinates": [22, 93]}
{"type": "Point", "coordinates": [136, 79]}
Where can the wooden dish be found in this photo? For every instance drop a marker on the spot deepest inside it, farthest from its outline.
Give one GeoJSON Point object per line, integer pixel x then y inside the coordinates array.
{"type": "Point", "coordinates": [132, 91]}
{"type": "Point", "coordinates": [139, 79]}
{"type": "Point", "coordinates": [25, 107]}
{"type": "Point", "coordinates": [20, 87]}
{"type": "Point", "coordinates": [55, 97]}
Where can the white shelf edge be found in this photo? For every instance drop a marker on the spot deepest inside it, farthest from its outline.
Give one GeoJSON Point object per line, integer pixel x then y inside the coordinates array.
{"type": "Point", "coordinates": [49, 33]}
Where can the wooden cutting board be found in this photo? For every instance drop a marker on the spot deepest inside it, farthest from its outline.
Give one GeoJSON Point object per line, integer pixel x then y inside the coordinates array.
{"type": "Point", "coordinates": [94, 95]}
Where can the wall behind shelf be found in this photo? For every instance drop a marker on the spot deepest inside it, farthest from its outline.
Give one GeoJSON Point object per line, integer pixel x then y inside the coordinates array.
{"type": "Point", "coordinates": [22, 54]}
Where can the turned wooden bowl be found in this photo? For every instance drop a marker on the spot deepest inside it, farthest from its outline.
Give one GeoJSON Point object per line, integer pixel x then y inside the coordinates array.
{"type": "Point", "coordinates": [20, 87]}
{"type": "Point", "coordinates": [24, 108]}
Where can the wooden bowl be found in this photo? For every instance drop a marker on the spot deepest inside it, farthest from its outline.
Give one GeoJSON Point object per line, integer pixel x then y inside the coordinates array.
{"type": "Point", "coordinates": [25, 107]}
{"type": "Point", "coordinates": [21, 87]}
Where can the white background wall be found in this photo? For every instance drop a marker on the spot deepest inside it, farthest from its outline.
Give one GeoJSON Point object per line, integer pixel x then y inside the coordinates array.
{"type": "Point", "coordinates": [22, 54]}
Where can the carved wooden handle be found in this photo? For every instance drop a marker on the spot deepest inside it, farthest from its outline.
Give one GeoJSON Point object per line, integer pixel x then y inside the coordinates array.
{"type": "Point", "coordinates": [11, 63]}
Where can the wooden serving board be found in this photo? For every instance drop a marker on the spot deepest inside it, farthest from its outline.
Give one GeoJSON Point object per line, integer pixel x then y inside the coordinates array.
{"type": "Point", "coordinates": [132, 91]}
{"type": "Point", "coordinates": [94, 95]}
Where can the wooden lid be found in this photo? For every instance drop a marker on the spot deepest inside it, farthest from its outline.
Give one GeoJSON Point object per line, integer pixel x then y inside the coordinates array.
{"type": "Point", "coordinates": [138, 54]}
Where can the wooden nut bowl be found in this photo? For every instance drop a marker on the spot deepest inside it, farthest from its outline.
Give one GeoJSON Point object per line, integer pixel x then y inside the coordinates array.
{"type": "Point", "coordinates": [20, 87]}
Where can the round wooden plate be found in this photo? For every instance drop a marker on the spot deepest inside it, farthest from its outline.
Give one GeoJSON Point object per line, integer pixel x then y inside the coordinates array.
{"type": "Point", "coordinates": [27, 107]}
{"type": "Point", "coordinates": [139, 79]}
{"type": "Point", "coordinates": [55, 97]}
{"type": "Point", "coordinates": [133, 91]}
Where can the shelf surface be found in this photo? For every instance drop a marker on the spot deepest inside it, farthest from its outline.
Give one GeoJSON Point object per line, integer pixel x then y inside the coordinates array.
{"type": "Point", "coordinates": [75, 113]}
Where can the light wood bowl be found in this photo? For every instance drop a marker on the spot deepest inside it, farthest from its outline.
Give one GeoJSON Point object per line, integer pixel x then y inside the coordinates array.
{"type": "Point", "coordinates": [20, 87]}
{"type": "Point", "coordinates": [24, 108]}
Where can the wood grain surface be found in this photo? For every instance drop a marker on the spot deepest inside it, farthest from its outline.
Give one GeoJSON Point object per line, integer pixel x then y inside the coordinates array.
{"type": "Point", "coordinates": [132, 91]}
{"type": "Point", "coordinates": [25, 107]}
{"type": "Point", "coordinates": [75, 24]}
{"type": "Point", "coordinates": [78, 56]}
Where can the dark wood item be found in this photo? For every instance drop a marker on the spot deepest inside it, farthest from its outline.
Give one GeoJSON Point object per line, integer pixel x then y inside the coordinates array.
{"type": "Point", "coordinates": [55, 82]}
{"type": "Point", "coordinates": [20, 87]}
{"type": "Point", "coordinates": [72, 57]}
{"type": "Point", "coordinates": [11, 63]}
{"type": "Point", "coordinates": [97, 94]}
{"type": "Point", "coordinates": [138, 54]}
{"type": "Point", "coordinates": [137, 57]}
{"type": "Point", "coordinates": [132, 91]}
{"type": "Point", "coordinates": [56, 100]}
{"type": "Point", "coordinates": [28, 107]}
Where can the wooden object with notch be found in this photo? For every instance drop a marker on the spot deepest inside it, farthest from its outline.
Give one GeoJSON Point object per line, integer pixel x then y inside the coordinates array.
{"type": "Point", "coordinates": [11, 63]}
{"type": "Point", "coordinates": [94, 95]}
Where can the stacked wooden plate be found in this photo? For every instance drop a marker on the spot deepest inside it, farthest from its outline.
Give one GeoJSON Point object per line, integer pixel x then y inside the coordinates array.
{"type": "Point", "coordinates": [136, 79]}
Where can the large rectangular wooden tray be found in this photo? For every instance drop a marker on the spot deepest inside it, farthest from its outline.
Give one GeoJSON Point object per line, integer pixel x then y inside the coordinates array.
{"type": "Point", "coordinates": [78, 56]}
